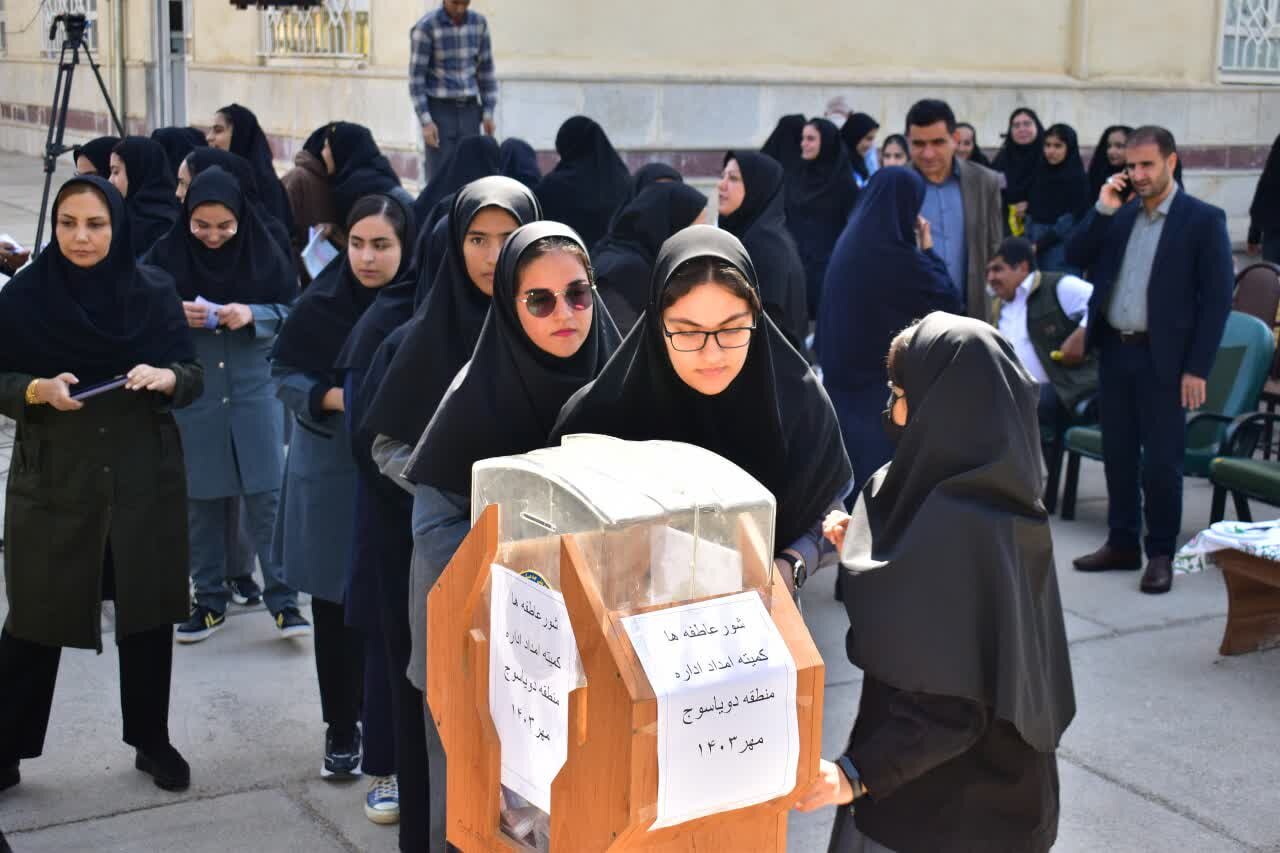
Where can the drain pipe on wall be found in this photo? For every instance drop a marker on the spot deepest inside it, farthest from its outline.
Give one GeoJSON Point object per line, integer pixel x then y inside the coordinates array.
{"type": "Point", "coordinates": [117, 61]}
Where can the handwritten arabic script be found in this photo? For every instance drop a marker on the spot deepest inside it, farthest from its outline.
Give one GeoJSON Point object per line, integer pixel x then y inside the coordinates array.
{"type": "Point", "coordinates": [726, 687]}
{"type": "Point", "coordinates": [533, 664]}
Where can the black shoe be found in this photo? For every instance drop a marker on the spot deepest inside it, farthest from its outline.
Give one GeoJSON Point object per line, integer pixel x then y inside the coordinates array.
{"type": "Point", "coordinates": [9, 776]}
{"type": "Point", "coordinates": [166, 766]}
{"type": "Point", "coordinates": [341, 754]}
{"type": "Point", "coordinates": [291, 623]}
{"type": "Point", "coordinates": [1158, 577]}
{"type": "Point", "coordinates": [200, 625]}
{"type": "Point", "coordinates": [245, 591]}
{"type": "Point", "coordinates": [1109, 558]}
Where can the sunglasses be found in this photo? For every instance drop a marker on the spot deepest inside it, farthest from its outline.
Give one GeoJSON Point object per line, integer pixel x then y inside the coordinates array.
{"type": "Point", "coordinates": [541, 301]}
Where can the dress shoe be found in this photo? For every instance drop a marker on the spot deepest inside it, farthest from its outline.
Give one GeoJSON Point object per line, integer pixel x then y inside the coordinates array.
{"type": "Point", "coordinates": [1158, 577]}
{"type": "Point", "coordinates": [9, 776]}
{"type": "Point", "coordinates": [166, 766]}
{"type": "Point", "coordinates": [1110, 558]}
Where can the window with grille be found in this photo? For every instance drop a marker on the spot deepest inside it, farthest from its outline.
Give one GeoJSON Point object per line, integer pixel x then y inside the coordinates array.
{"type": "Point", "coordinates": [333, 28]}
{"type": "Point", "coordinates": [1251, 41]}
{"type": "Point", "coordinates": [53, 8]}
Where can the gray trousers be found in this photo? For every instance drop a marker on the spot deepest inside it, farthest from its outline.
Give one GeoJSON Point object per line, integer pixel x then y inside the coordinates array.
{"type": "Point", "coordinates": [455, 119]}
{"type": "Point", "coordinates": [208, 521]}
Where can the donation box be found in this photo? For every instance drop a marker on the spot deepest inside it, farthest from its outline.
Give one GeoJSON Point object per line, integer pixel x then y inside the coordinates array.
{"type": "Point", "coordinates": [613, 662]}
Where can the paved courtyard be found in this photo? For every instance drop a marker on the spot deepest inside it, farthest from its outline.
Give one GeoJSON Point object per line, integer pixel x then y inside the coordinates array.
{"type": "Point", "coordinates": [1173, 749]}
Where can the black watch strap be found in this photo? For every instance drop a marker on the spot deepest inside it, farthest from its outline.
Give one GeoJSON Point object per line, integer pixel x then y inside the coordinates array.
{"type": "Point", "coordinates": [845, 763]}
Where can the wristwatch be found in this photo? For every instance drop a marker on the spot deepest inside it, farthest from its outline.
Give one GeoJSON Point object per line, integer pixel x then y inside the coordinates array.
{"type": "Point", "coordinates": [799, 570]}
{"type": "Point", "coordinates": [845, 763]}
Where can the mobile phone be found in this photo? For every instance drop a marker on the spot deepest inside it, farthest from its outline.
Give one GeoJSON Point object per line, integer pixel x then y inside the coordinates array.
{"type": "Point", "coordinates": [99, 388]}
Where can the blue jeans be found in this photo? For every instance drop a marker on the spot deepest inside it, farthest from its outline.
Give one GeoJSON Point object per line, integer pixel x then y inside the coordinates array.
{"type": "Point", "coordinates": [455, 120]}
{"type": "Point", "coordinates": [209, 550]}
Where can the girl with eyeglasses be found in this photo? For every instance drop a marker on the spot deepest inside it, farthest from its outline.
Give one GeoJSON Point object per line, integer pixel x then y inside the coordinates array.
{"type": "Point", "coordinates": [545, 337]}
{"type": "Point", "coordinates": [236, 284]}
{"type": "Point", "coordinates": [707, 366]}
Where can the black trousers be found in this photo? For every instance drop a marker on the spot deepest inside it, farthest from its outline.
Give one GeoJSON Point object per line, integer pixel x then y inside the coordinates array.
{"type": "Point", "coordinates": [29, 671]}
{"type": "Point", "coordinates": [339, 664]}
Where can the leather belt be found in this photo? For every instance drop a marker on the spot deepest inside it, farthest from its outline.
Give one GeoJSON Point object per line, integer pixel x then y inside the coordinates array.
{"type": "Point", "coordinates": [1133, 338]}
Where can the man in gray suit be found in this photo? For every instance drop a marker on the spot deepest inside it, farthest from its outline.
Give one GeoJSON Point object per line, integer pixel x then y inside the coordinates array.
{"type": "Point", "coordinates": [961, 203]}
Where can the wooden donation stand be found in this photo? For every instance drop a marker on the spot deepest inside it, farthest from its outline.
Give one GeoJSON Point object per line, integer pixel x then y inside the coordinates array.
{"type": "Point", "coordinates": [613, 663]}
{"type": "Point", "coordinates": [1253, 602]}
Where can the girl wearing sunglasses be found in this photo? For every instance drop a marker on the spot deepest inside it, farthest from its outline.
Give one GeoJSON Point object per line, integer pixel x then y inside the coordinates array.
{"type": "Point", "coordinates": [545, 337]}
{"type": "Point", "coordinates": [707, 366]}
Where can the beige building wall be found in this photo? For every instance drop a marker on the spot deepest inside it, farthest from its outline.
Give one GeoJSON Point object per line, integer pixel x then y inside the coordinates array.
{"type": "Point", "coordinates": [673, 77]}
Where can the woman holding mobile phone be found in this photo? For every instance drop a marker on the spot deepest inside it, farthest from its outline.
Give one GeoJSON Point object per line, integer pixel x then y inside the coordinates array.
{"type": "Point", "coordinates": [96, 506]}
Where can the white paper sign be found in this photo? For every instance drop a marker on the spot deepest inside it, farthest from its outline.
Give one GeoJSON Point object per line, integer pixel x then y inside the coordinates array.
{"type": "Point", "coordinates": [318, 253]}
{"type": "Point", "coordinates": [725, 681]}
{"type": "Point", "coordinates": [533, 665]}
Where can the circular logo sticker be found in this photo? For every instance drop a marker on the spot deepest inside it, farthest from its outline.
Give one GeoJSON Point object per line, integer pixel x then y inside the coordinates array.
{"type": "Point", "coordinates": [531, 575]}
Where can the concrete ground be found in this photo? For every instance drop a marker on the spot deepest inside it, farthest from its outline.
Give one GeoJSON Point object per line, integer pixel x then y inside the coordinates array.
{"type": "Point", "coordinates": [1173, 748]}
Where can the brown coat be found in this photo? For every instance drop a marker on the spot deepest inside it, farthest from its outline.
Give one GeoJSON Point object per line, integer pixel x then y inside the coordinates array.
{"type": "Point", "coordinates": [983, 230]}
{"type": "Point", "coordinates": [311, 200]}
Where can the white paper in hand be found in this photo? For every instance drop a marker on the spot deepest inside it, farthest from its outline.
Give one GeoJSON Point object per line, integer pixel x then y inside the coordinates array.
{"type": "Point", "coordinates": [318, 253]}
{"type": "Point", "coordinates": [533, 665]}
{"type": "Point", "coordinates": [725, 681]}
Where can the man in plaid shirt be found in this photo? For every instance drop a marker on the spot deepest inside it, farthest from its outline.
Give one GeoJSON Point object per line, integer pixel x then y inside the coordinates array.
{"type": "Point", "coordinates": [451, 78]}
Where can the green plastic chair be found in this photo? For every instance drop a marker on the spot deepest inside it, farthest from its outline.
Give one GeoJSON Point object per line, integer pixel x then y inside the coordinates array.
{"type": "Point", "coordinates": [1233, 389]}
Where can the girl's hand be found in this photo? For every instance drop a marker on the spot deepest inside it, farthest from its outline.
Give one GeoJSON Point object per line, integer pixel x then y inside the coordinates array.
{"type": "Point", "coordinates": [235, 316]}
{"type": "Point", "coordinates": [56, 392]}
{"type": "Point", "coordinates": [834, 527]}
{"type": "Point", "coordinates": [831, 788]}
{"type": "Point", "coordinates": [144, 377]}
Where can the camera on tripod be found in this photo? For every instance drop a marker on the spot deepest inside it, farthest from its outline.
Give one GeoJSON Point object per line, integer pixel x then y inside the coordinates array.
{"type": "Point", "coordinates": [74, 25]}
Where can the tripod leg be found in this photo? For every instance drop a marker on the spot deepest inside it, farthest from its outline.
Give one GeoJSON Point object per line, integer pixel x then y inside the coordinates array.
{"type": "Point", "coordinates": [57, 128]}
{"type": "Point", "coordinates": [97, 73]}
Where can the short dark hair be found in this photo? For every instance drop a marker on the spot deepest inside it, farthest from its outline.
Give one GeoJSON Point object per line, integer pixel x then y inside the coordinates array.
{"type": "Point", "coordinates": [1016, 250]}
{"type": "Point", "coordinates": [930, 111]}
{"type": "Point", "coordinates": [704, 270]}
{"type": "Point", "coordinates": [1153, 134]}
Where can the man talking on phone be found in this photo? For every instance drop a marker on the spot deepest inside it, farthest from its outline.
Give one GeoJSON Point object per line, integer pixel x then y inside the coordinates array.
{"type": "Point", "coordinates": [1162, 273]}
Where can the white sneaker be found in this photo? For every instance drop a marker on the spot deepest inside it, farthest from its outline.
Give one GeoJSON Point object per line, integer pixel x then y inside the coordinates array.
{"type": "Point", "coordinates": [382, 803]}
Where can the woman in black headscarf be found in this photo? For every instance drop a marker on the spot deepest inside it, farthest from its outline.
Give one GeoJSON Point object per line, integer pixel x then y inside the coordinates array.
{"type": "Point", "coordinates": [518, 160]}
{"type": "Point", "coordinates": [238, 167]}
{"type": "Point", "coordinates": [236, 129]}
{"type": "Point", "coordinates": [475, 157]}
{"type": "Point", "coordinates": [967, 146]}
{"type": "Point", "coordinates": [752, 205]}
{"type": "Point", "coordinates": [96, 501]}
{"type": "Point", "coordinates": [141, 173]}
{"type": "Point", "coordinates": [544, 339]}
{"type": "Point", "coordinates": [236, 284]}
{"type": "Point", "coordinates": [311, 201]}
{"type": "Point", "coordinates": [589, 182]}
{"type": "Point", "coordinates": [357, 167]}
{"type": "Point", "coordinates": [644, 177]}
{"type": "Point", "coordinates": [315, 526]}
{"type": "Point", "coordinates": [94, 157]}
{"type": "Point", "coordinates": [1108, 156]}
{"type": "Point", "coordinates": [706, 365]}
{"type": "Point", "coordinates": [783, 143]}
{"type": "Point", "coordinates": [408, 374]}
{"type": "Point", "coordinates": [883, 275]}
{"type": "Point", "coordinates": [1018, 156]}
{"type": "Point", "coordinates": [177, 143]}
{"type": "Point", "coordinates": [966, 677]}
{"type": "Point", "coordinates": [624, 259]}
{"type": "Point", "coordinates": [820, 194]}
{"type": "Point", "coordinates": [859, 136]}
{"type": "Point", "coordinates": [1057, 199]}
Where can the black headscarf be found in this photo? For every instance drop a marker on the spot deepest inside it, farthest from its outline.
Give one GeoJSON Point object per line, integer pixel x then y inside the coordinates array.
{"type": "Point", "coordinates": [250, 268]}
{"type": "Point", "coordinates": [250, 142]}
{"type": "Point", "coordinates": [474, 158]}
{"type": "Point", "coordinates": [646, 176]}
{"type": "Point", "coordinates": [239, 168]}
{"type": "Point", "coordinates": [177, 143]}
{"type": "Point", "coordinates": [506, 399]}
{"type": "Point", "coordinates": [1059, 189]}
{"type": "Point", "coordinates": [624, 259]}
{"type": "Point", "coordinates": [316, 330]}
{"type": "Point", "coordinates": [822, 188]}
{"type": "Point", "coordinates": [359, 167]}
{"type": "Point", "coordinates": [976, 156]}
{"type": "Point", "coordinates": [855, 127]}
{"type": "Point", "coordinates": [783, 143]}
{"type": "Point", "coordinates": [1018, 162]}
{"type": "Point", "coordinates": [151, 201]}
{"type": "Point", "coordinates": [441, 336]}
{"type": "Point", "coordinates": [878, 281]}
{"type": "Point", "coordinates": [948, 563]}
{"type": "Point", "coordinates": [518, 160]}
{"type": "Point", "coordinates": [98, 322]}
{"type": "Point", "coordinates": [1100, 167]}
{"type": "Point", "coordinates": [774, 420]}
{"type": "Point", "coordinates": [760, 222]}
{"type": "Point", "coordinates": [589, 182]}
{"type": "Point", "coordinates": [98, 152]}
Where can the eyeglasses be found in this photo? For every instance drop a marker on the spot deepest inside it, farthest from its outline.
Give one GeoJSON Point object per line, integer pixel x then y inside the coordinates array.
{"type": "Point", "coordinates": [734, 338]}
{"type": "Point", "coordinates": [541, 301]}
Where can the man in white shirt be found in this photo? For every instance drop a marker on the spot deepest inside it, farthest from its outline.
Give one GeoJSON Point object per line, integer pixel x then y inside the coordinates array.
{"type": "Point", "coordinates": [1044, 316]}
